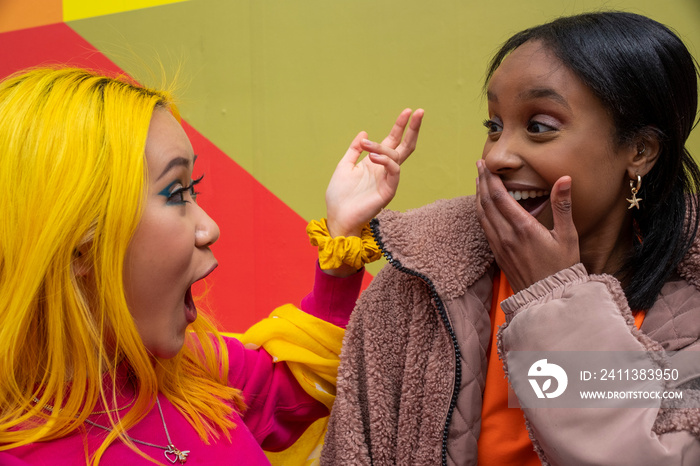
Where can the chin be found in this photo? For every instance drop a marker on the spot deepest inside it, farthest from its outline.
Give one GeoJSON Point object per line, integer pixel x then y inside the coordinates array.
{"type": "Point", "coordinates": [166, 354]}
{"type": "Point", "coordinates": [167, 351]}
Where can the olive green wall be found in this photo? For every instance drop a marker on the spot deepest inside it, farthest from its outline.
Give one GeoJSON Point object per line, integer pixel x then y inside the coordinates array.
{"type": "Point", "coordinates": [283, 86]}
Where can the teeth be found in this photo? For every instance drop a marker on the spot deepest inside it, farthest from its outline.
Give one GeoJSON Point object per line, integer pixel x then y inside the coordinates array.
{"type": "Point", "coordinates": [518, 195]}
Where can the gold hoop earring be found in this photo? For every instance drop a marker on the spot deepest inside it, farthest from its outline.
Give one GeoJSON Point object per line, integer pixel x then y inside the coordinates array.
{"type": "Point", "coordinates": [634, 202]}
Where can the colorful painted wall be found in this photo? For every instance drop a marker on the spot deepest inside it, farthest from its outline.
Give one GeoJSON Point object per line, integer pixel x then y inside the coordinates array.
{"type": "Point", "coordinates": [272, 92]}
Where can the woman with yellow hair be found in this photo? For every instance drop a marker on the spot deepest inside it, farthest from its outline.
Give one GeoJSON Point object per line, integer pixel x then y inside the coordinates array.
{"type": "Point", "coordinates": [103, 357]}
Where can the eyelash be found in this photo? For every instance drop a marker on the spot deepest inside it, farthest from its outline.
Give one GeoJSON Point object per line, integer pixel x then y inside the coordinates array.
{"type": "Point", "coordinates": [488, 124]}
{"type": "Point", "coordinates": [181, 192]}
{"type": "Point", "coordinates": [533, 123]}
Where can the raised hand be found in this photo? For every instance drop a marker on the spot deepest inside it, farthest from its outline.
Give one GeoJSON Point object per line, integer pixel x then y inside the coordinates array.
{"type": "Point", "coordinates": [358, 191]}
{"type": "Point", "coordinates": [524, 249]}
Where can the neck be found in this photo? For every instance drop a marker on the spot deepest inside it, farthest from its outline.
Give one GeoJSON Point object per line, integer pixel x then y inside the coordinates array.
{"type": "Point", "coordinates": [607, 251]}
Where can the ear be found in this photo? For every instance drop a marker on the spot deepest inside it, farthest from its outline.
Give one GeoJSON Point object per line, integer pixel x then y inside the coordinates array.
{"type": "Point", "coordinates": [82, 265]}
{"type": "Point", "coordinates": [643, 155]}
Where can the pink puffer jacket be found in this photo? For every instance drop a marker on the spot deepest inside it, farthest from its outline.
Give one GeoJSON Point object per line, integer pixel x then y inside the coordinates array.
{"type": "Point", "coordinates": [404, 400]}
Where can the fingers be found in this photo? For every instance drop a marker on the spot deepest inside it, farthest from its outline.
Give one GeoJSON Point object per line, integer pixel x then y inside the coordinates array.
{"type": "Point", "coordinates": [396, 133]}
{"type": "Point", "coordinates": [396, 146]}
{"type": "Point", "coordinates": [390, 178]}
{"type": "Point", "coordinates": [499, 213]}
{"type": "Point", "coordinates": [402, 144]}
{"type": "Point", "coordinates": [560, 199]}
{"type": "Point", "coordinates": [352, 155]}
{"type": "Point", "coordinates": [491, 219]}
{"type": "Point", "coordinates": [494, 199]}
{"type": "Point", "coordinates": [524, 249]}
{"type": "Point", "coordinates": [391, 166]}
{"type": "Point", "coordinates": [408, 145]}
{"type": "Point", "coordinates": [380, 149]}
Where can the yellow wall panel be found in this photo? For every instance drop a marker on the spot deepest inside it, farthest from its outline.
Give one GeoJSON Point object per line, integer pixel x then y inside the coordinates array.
{"type": "Point", "coordinates": [80, 9]}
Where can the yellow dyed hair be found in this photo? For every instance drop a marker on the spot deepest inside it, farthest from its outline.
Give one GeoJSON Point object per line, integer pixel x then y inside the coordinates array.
{"type": "Point", "coordinates": [73, 172]}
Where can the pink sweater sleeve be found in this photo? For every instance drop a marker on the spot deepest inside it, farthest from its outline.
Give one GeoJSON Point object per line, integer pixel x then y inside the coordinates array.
{"type": "Point", "coordinates": [332, 298]}
{"type": "Point", "coordinates": [278, 409]}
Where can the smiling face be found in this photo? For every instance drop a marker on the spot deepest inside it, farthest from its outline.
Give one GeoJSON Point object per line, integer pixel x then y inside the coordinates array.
{"type": "Point", "coordinates": [544, 123]}
{"type": "Point", "coordinates": [170, 249]}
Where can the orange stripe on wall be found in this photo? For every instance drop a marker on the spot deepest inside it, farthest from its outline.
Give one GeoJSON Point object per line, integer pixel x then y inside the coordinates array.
{"type": "Point", "coordinates": [22, 14]}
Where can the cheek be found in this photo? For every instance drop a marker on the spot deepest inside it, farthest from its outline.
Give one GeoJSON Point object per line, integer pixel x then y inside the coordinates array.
{"type": "Point", "coordinates": [155, 280]}
{"type": "Point", "coordinates": [157, 261]}
{"type": "Point", "coordinates": [597, 200]}
{"type": "Point", "coordinates": [486, 148]}
{"type": "Point", "coordinates": [158, 264]}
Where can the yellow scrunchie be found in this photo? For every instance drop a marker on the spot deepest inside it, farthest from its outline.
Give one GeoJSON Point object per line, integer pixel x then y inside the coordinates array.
{"type": "Point", "coordinates": [351, 250]}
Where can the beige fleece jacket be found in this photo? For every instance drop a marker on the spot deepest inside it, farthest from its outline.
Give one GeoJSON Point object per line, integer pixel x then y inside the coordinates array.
{"type": "Point", "coordinates": [413, 363]}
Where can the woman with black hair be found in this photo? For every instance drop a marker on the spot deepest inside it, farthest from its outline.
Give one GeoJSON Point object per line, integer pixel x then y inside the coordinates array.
{"type": "Point", "coordinates": [574, 270]}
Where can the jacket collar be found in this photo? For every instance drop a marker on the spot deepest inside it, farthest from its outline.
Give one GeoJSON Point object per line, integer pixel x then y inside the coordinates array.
{"type": "Point", "coordinates": [434, 241]}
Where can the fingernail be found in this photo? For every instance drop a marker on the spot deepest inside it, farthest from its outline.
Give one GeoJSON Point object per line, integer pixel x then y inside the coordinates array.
{"type": "Point", "coordinates": [366, 142]}
{"type": "Point", "coordinates": [565, 185]}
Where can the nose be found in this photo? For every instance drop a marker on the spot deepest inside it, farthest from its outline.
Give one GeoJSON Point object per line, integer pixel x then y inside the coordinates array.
{"type": "Point", "coordinates": [206, 230]}
{"type": "Point", "coordinates": [502, 156]}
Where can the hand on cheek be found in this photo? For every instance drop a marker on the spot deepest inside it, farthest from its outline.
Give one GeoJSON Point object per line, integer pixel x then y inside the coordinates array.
{"type": "Point", "coordinates": [524, 249]}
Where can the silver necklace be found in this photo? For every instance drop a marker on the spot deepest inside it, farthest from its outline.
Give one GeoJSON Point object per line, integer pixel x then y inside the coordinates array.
{"type": "Point", "coordinates": [171, 453]}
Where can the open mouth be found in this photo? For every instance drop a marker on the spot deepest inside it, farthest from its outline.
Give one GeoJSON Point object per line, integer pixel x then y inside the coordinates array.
{"type": "Point", "coordinates": [190, 308]}
{"type": "Point", "coordinates": [533, 201]}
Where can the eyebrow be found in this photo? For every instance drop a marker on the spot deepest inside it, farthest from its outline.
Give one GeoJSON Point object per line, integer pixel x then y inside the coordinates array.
{"type": "Point", "coordinates": [544, 93]}
{"type": "Point", "coordinates": [176, 162]}
{"type": "Point", "coordinates": [537, 93]}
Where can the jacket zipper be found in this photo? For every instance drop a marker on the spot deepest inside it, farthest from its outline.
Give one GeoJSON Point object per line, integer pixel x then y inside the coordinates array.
{"type": "Point", "coordinates": [374, 224]}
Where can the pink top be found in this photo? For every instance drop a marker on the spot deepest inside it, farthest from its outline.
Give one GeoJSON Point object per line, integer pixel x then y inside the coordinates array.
{"type": "Point", "coordinates": [278, 409]}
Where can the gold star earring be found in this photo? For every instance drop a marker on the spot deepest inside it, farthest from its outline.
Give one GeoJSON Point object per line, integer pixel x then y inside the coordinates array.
{"type": "Point", "coordinates": [634, 202]}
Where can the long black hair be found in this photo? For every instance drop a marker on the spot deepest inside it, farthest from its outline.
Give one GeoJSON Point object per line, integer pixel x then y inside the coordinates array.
{"type": "Point", "coordinates": [648, 82]}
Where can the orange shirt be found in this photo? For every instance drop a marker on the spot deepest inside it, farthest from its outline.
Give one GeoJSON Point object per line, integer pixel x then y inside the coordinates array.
{"type": "Point", "coordinates": [504, 440]}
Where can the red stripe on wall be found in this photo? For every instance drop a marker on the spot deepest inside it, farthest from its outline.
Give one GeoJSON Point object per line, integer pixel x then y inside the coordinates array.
{"type": "Point", "coordinates": [264, 256]}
